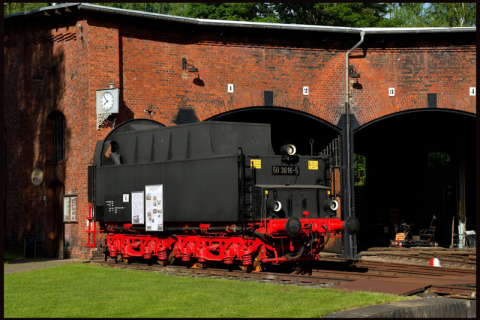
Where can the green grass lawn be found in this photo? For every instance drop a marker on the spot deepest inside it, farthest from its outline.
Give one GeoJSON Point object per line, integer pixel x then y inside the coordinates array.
{"type": "Point", "coordinates": [91, 291]}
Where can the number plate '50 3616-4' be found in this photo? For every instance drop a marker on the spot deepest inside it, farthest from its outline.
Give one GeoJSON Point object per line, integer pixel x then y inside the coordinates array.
{"type": "Point", "coordinates": [285, 170]}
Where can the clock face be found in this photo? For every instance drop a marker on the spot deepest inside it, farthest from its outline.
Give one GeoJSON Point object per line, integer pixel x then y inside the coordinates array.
{"type": "Point", "coordinates": [106, 101]}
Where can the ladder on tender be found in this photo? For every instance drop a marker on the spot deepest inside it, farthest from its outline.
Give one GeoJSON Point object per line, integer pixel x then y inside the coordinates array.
{"type": "Point", "coordinates": [91, 231]}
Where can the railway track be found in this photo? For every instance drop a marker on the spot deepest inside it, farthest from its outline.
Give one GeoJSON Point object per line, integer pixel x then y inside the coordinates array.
{"type": "Point", "coordinates": [451, 258]}
{"type": "Point", "coordinates": [344, 274]}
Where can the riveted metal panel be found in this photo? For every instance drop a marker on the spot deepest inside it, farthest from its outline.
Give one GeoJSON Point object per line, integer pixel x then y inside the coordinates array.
{"type": "Point", "coordinates": [190, 141]}
{"type": "Point", "coordinates": [206, 188]}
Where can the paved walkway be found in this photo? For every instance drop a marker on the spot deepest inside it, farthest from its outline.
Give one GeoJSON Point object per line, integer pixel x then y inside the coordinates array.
{"type": "Point", "coordinates": [18, 266]}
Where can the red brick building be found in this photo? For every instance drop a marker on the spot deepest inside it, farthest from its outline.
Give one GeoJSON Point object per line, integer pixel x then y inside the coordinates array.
{"type": "Point", "coordinates": [294, 76]}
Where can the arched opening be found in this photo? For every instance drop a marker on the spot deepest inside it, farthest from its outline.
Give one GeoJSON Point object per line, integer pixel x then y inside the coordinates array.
{"type": "Point", "coordinates": [56, 136]}
{"type": "Point", "coordinates": [287, 125]}
{"type": "Point", "coordinates": [420, 170]}
{"type": "Point", "coordinates": [54, 231]}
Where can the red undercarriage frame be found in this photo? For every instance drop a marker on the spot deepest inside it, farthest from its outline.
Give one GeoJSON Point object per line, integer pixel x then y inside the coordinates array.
{"type": "Point", "coordinates": [275, 246]}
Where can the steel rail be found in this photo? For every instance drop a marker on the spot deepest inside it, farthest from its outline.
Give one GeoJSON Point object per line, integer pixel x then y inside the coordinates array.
{"type": "Point", "coordinates": [441, 281]}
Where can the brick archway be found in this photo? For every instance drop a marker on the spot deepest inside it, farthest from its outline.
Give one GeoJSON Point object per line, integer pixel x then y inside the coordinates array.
{"type": "Point", "coordinates": [287, 124]}
{"type": "Point", "coordinates": [404, 184]}
{"type": "Point", "coordinates": [405, 111]}
{"type": "Point", "coordinates": [206, 109]}
{"type": "Point", "coordinates": [386, 106]}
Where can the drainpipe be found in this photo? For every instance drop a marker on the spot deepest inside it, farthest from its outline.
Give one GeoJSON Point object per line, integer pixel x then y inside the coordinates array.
{"type": "Point", "coordinates": [347, 126]}
{"type": "Point", "coordinates": [350, 250]}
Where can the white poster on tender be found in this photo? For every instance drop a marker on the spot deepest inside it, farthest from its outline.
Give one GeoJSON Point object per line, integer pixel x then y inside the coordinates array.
{"type": "Point", "coordinates": [138, 212]}
{"type": "Point", "coordinates": [154, 207]}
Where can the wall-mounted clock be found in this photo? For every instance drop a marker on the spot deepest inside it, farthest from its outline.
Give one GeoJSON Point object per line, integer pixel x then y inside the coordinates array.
{"type": "Point", "coordinates": [107, 101]}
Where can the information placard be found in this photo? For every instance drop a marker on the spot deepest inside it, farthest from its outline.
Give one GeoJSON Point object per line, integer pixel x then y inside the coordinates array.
{"type": "Point", "coordinates": [138, 212]}
{"type": "Point", "coordinates": [154, 207]}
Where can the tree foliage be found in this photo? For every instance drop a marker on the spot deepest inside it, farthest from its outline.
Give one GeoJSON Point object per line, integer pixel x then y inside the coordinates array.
{"type": "Point", "coordinates": [359, 169]}
{"type": "Point", "coordinates": [252, 11]}
{"type": "Point", "coordinates": [163, 8]}
{"type": "Point", "coordinates": [15, 7]}
{"type": "Point", "coordinates": [453, 14]}
{"type": "Point", "coordinates": [327, 14]}
{"type": "Point", "coordinates": [411, 14]}
{"type": "Point", "coordinates": [357, 14]}
{"type": "Point", "coordinates": [435, 14]}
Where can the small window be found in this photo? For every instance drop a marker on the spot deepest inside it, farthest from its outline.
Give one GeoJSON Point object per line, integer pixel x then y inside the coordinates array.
{"type": "Point", "coordinates": [57, 135]}
{"type": "Point", "coordinates": [70, 209]}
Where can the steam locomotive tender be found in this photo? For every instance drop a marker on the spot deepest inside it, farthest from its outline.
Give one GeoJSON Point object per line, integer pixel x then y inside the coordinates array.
{"type": "Point", "coordinates": [210, 192]}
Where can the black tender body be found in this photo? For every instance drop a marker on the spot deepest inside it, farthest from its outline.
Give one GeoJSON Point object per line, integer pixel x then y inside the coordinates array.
{"type": "Point", "coordinates": [206, 172]}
